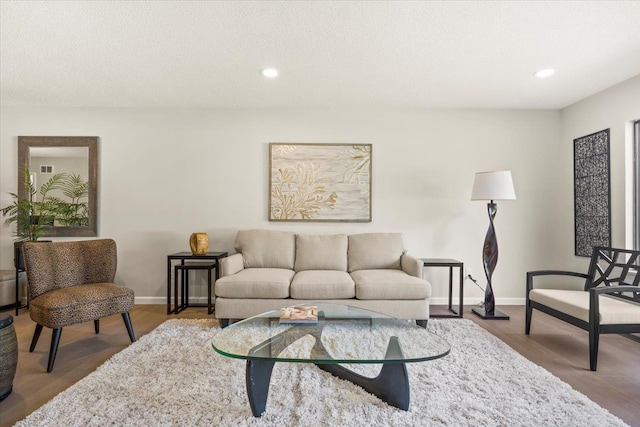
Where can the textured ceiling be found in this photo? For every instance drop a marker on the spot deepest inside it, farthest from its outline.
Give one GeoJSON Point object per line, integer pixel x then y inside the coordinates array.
{"type": "Point", "coordinates": [203, 54]}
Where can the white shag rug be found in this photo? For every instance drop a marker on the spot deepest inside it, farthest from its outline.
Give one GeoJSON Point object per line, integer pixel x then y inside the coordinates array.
{"type": "Point", "coordinates": [173, 377]}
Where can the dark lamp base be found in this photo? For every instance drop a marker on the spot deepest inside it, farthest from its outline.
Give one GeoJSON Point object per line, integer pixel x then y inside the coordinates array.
{"type": "Point", "coordinates": [497, 315]}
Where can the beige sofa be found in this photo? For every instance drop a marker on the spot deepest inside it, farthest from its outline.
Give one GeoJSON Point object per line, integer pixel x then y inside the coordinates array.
{"type": "Point", "coordinates": [275, 269]}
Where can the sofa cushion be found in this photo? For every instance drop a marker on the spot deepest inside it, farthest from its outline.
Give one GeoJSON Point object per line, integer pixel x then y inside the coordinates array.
{"type": "Point", "coordinates": [266, 248]}
{"type": "Point", "coordinates": [255, 283]}
{"type": "Point", "coordinates": [576, 303]}
{"type": "Point", "coordinates": [316, 252]}
{"type": "Point", "coordinates": [389, 284]}
{"type": "Point", "coordinates": [369, 251]}
{"type": "Point", "coordinates": [322, 284]}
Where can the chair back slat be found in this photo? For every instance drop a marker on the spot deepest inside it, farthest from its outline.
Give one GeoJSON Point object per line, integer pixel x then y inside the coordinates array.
{"type": "Point", "coordinates": [56, 265]}
{"type": "Point", "coordinates": [615, 267]}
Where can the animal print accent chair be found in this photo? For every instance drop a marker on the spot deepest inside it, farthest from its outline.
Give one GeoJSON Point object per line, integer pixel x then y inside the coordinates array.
{"type": "Point", "coordinates": [72, 282]}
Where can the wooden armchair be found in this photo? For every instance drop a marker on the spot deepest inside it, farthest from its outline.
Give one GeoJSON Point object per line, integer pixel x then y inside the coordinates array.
{"type": "Point", "coordinates": [72, 282]}
{"type": "Point", "coordinates": [609, 302]}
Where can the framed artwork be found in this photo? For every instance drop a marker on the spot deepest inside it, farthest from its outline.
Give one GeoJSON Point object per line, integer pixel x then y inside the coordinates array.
{"type": "Point", "coordinates": [592, 192]}
{"type": "Point", "coordinates": [320, 182]}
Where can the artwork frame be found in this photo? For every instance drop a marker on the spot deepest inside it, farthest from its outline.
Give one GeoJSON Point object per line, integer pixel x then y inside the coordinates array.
{"type": "Point", "coordinates": [320, 182]}
{"type": "Point", "coordinates": [592, 192]}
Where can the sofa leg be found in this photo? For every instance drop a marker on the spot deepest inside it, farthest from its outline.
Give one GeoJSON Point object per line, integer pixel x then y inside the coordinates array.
{"type": "Point", "coordinates": [96, 325]}
{"type": "Point", "coordinates": [421, 322]}
{"type": "Point", "coordinates": [527, 320]}
{"type": "Point", "coordinates": [224, 323]}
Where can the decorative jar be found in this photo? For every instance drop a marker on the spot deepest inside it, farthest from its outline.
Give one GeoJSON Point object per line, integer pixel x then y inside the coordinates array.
{"type": "Point", "coordinates": [199, 243]}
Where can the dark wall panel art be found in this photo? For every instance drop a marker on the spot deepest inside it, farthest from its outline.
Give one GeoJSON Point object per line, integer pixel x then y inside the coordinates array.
{"type": "Point", "coordinates": [592, 192]}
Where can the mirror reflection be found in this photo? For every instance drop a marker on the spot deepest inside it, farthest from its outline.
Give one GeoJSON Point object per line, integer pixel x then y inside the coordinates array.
{"type": "Point", "coordinates": [59, 174]}
{"type": "Point", "coordinates": [63, 171]}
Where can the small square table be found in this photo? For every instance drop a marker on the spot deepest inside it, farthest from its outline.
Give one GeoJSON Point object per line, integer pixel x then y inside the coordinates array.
{"type": "Point", "coordinates": [183, 268]}
{"type": "Point", "coordinates": [451, 263]}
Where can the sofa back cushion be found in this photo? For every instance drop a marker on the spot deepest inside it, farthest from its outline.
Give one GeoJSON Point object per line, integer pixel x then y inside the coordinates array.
{"type": "Point", "coordinates": [371, 251]}
{"type": "Point", "coordinates": [266, 248]}
{"type": "Point", "coordinates": [317, 252]}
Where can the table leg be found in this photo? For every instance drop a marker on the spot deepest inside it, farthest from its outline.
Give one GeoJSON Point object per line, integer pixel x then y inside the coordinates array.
{"type": "Point", "coordinates": [185, 288]}
{"type": "Point", "coordinates": [258, 379]}
{"type": "Point", "coordinates": [169, 311]}
{"type": "Point", "coordinates": [209, 310]}
{"type": "Point", "coordinates": [392, 383]}
{"type": "Point", "coordinates": [175, 290]}
{"type": "Point", "coordinates": [17, 291]}
{"type": "Point", "coordinates": [451, 289]}
{"type": "Point", "coordinates": [461, 289]}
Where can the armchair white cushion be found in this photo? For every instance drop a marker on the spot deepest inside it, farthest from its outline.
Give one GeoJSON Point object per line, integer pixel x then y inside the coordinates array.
{"type": "Point", "coordinates": [576, 304]}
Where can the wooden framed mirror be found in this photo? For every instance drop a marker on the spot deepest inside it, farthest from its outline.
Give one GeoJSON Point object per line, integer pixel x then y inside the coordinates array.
{"type": "Point", "coordinates": [76, 159]}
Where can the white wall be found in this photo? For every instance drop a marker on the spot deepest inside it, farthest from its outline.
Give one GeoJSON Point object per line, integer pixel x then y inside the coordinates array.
{"type": "Point", "coordinates": [167, 173]}
{"type": "Point", "coordinates": [612, 108]}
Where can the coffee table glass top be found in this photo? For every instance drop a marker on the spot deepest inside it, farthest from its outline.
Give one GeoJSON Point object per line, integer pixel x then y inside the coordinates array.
{"type": "Point", "coordinates": [343, 334]}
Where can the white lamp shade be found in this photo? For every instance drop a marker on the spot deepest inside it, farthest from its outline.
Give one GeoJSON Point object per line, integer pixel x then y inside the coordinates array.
{"type": "Point", "coordinates": [493, 186]}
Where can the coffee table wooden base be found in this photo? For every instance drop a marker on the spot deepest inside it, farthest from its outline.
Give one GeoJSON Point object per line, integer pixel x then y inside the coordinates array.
{"type": "Point", "coordinates": [391, 385]}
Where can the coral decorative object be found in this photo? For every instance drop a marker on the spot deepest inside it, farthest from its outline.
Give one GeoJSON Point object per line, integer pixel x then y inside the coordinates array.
{"type": "Point", "coordinates": [199, 243]}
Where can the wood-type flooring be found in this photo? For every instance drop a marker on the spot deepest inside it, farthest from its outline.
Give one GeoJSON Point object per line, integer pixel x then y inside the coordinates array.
{"type": "Point", "coordinates": [558, 347]}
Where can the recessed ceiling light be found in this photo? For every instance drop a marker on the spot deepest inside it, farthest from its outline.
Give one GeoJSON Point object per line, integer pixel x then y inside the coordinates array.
{"type": "Point", "coordinates": [271, 73]}
{"type": "Point", "coordinates": [544, 73]}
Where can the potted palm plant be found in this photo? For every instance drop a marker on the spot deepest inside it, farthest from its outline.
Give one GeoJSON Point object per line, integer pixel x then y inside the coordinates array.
{"type": "Point", "coordinates": [40, 208]}
{"type": "Point", "coordinates": [75, 212]}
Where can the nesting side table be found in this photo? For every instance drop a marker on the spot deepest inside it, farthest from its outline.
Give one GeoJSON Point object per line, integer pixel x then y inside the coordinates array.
{"type": "Point", "coordinates": [451, 263]}
{"type": "Point", "coordinates": [181, 277]}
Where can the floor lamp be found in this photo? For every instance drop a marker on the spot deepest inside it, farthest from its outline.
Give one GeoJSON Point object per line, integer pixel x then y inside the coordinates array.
{"type": "Point", "coordinates": [491, 186]}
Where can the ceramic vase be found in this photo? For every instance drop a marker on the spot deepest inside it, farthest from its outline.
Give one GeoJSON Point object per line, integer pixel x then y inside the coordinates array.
{"type": "Point", "coordinates": [199, 243]}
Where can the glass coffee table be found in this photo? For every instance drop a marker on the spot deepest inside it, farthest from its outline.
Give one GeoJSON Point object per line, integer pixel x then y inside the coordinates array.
{"type": "Point", "coordinates": [342, 335]}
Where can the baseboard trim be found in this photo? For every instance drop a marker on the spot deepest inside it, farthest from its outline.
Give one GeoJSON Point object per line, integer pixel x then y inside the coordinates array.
{"type": "Point", "coordinates": [433, 301]}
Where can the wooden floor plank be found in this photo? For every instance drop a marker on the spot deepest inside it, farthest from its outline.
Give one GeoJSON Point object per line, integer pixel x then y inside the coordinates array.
{"type": "Point", "coordinates": [560, 348]}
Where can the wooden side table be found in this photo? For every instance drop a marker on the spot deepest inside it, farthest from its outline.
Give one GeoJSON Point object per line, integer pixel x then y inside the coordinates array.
{"type": "Point", "coordinates": [451, 263]}
{"type": "Point", "coordinates": [181, 275]}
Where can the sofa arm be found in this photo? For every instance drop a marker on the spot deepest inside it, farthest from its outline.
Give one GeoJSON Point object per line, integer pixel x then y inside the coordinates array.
{"type": "Point", "coordinates": [231, 265]}
{"type": "Point", "coordinates": [411, 265]}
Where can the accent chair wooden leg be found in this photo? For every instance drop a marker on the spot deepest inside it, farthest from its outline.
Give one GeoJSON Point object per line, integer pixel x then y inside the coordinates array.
{"type": "Point", "coordinates": [96, 324]}
{"type": "Point", "coordinates": [127, 323]}
{"type": "Point", "coordinates": [224, 323]}
{"type": "Point", "coordinates": [55, 340]}
{"type": "Point", "coordinates": [594, 338]}
{"type": "Point", "coordinates": [527, 321]}
{"type": "Point", "coordinates": [421, 322]}
{"type": "Point", "coordinates": [36, 336]}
